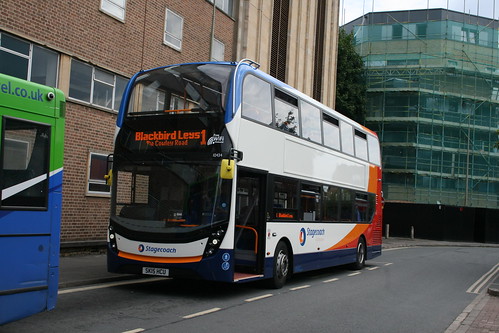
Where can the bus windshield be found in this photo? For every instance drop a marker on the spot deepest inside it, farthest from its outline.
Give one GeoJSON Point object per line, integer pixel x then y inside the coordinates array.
{"type": "Point", "coordinates": [191, 88]}
{"type": "Point", "coordinates": [170, 198]}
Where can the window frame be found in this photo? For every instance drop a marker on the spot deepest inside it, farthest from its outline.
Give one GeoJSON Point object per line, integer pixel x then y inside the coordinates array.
{"type": "Point", "coordinates": [52, 81]}
{"type": "Point", "coordinates": [215, 49]}
{"type": "Point", "coordinates": [333, 203]}
{"type": "Point", "coordinates": [94, 181]}
{"type": "Point", "coordinates": [289, 100]}
{"type": "Point", "coordinates": [93, 80]}
{"type": "Point", "coordinates": [269, 107]}
{"type": "Point", "coordinates": [227, 6]}
{"type": "Point", "coordinates": [170, 34]}
{"type": "Point", "coordinates": [47, 128]}
{"type": "Point", "coordinates": [114, 3]}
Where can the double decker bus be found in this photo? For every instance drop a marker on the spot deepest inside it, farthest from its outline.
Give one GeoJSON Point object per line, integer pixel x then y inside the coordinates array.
{"type": "Point", "coordinates": [31, 159]}
{"type": "Point", "coordinates": [221, 172]}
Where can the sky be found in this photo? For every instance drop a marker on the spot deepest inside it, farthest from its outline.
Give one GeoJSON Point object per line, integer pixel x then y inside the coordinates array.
{"type": "Point", "coordinates": [352, 9]}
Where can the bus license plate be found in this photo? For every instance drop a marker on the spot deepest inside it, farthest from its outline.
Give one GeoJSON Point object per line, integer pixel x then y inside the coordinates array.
{"type": "Point", "coordinates": [156, 271]}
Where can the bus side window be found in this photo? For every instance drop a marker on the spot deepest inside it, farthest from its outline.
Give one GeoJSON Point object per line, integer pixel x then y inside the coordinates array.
{"type": "Point", "coordinates": [285, 199]}
{"type": "Point", "coordinates": [256, 100]}
{"type": "Point", "coordinates": [25, 158]}
{"type": "Point", "coordinates": [331, 203]}
{"type": "Point", "coordinates": [310, 196]}
{"type": "Point", "coordinates": [361, 207]}
{"type": "Point", "coordinates": [346, 213]}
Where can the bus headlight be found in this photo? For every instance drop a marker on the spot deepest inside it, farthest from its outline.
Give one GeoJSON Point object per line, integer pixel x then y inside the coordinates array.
{"type": "Point", "coordinates": [214, 242]}
{"type": "Point", "coordinates": [111, 238]}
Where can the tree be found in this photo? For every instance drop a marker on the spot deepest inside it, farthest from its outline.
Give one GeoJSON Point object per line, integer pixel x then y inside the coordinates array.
{"type": "Point", "coordinates": [350, 79]}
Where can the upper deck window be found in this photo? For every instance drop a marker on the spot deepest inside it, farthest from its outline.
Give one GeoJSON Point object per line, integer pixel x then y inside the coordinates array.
{"type": "Point", "coordinates": [331, 131]}
{"type": "Point", "coordinates": [347, 145]}
{"type": "Point", "coordinates": [311, 122]}
{"type": "Point", "coordinates": [286, 112]}
{"type": "Point", "coordinates": [192, 88]}
{"type": "Point", "coordinates": [360, 141]}
{"type": "Point", "coordinates": [257, 100]}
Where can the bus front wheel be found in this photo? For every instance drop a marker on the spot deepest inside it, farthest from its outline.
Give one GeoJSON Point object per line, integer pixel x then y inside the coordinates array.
{"type": "Point", "coordinates": [360, 258]}
{"type": "Point", "coordinates": [281, 266]}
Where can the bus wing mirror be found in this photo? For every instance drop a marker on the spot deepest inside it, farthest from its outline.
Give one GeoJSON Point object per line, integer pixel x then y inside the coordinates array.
{"type": "Point", "coordinates": [227, 169]}
{"type": "Point", "coordinates": [109, 177]}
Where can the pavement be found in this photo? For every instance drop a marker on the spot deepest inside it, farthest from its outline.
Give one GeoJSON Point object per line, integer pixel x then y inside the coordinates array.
{"type": "Point", "coordinates": [481, 316]}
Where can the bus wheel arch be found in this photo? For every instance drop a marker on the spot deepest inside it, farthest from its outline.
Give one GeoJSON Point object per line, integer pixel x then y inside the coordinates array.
{"type": "Point", "coordinates": [282, 266]}
{"type": "Point", "coordinates": [360, 254]}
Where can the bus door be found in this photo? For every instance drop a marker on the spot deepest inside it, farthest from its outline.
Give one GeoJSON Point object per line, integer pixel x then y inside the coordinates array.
{"type": "Point", "coordinates": [250, 222]}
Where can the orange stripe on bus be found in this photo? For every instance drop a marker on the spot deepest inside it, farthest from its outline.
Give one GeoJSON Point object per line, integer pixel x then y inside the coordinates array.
{"type": "Point", "coordinates": [162, 260]}
{"type": "Point", "coordinates": [352, 236]}
{"type": "Point", "coordinates": [372, 186]}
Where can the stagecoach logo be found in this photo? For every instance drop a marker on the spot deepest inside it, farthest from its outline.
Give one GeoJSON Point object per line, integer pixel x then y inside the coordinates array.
{"type": "Point", "coordinates": [216, 138]}
{"type": "Point", "coordinates": [155, 249]}
{"type": "Point", "coordinates": [303, 236]}
{"type": "Point", "coordinates": [310, 232]}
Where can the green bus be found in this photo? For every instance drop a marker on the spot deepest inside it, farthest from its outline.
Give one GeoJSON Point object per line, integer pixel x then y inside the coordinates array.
{"type": "Point", "coordinates": [31, 158]}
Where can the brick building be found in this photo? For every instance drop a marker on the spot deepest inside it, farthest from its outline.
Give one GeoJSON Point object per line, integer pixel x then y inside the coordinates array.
{"type": "Point", "coordinates": [89, 49]}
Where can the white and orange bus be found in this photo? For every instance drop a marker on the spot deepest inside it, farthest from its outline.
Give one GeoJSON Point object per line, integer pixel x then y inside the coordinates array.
{"type": "Point", "coordinates": [222, 172]}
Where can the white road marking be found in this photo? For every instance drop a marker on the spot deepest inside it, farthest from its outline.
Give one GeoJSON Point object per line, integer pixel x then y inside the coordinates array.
{"type": "Point", "coordinates": [478, 285]}
{"type": "Point", "coordinates": [331, 280]}
{"type": "Point", "coordinates": [202, 313]}
{"type": "Point", "coordinates": [108, 285]}
{"type": "Point", "coordinates": [353, 274]}
{"type": "Point", "coordinates": [373, 268]}
{"type": "Point", "coordinates": [137, 330]}
{"type": "Point", "coordinates": [258, 298]}
{"type": "Point", "coordinates": [300, 287]}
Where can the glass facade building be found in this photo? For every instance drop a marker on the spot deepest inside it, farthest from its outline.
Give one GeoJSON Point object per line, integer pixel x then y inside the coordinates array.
{"type": "Point", "coordinates": [433, 98]}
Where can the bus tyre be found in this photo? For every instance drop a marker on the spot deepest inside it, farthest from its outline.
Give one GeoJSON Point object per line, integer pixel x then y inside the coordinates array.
{"type": "Point", "coordinates": [281, 266]}
{"type": "Point", "coordinates": [360, 258]}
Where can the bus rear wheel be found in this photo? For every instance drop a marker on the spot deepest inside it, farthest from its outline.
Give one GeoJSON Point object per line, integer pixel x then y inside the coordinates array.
{"type": "Point", "coordinates": [360, 258]}
{"type": "Point", "coordinates": [281, 266]}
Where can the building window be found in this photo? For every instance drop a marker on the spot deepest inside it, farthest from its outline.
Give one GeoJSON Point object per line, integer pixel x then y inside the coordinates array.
{"type": "Point", "coordinates": [224, 5]}
{"type": "Point", "coordinates": [469, 36]}
{"type": "Point", "coordinates": [421, 30]}
{"type": "Point", "coordinates": [115, 8]}
{"type": "Point", "coordinates": [217, 51]}
{"type": "Point", "coordinates": [95, 86]}
{"type": "Point", "coordinates": [27, 61]}
{"type": "Point", "coordinates": [397, 31]}
{"type": "Point", "coordinates": [174, 25]}
{"type": "Point", "coordinates": [278, 51]}
{"type": "Point", "coordinates": [97, 169]}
